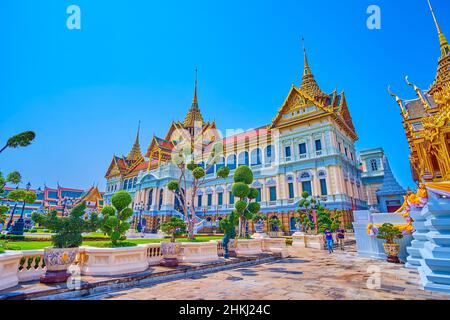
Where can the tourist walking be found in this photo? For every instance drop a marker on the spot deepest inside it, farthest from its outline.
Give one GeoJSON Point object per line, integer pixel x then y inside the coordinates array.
{"type": "Point", "coordinates": [340, 235]}
{"type": "Point", "coordinates": [329, 239]}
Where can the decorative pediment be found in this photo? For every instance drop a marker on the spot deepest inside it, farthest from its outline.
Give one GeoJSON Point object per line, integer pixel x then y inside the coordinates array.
{"type": "Point", "coordinates": [298, 104]}
{"type": "Point", "coordinates": [113, 169]}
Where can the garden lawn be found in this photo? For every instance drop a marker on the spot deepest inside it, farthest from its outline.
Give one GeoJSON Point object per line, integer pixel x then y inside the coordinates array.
{"type": "Point", "coordinates": [36, 245]}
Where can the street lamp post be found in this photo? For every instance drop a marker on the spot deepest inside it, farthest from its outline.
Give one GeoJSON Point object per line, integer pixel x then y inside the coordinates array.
{"type": "Point", "coordinates": [19, 224]}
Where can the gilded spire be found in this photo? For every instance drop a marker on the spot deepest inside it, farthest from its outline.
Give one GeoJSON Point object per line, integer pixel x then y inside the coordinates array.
{"type": "Point", "coordinates": [194, 114]}
{"type": "Point", "coordinates": [443, 73]}
{"type": "Point", "coordinates": [309, 84]}
{"type": "Point", "coordinates": [399, 102]}
{"type": "Point", "coordinates": [442, 40]}
{"type": "Point", "coordinates": [135, 153]}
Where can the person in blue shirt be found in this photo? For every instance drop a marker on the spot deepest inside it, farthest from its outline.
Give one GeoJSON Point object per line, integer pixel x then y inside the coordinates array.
{"type": "Point", "coordinates": [329, 238]}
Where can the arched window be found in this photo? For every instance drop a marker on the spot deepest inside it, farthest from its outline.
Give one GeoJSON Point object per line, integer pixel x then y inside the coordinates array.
{"type": "Point", "coordinates": [269, 155]}
{"type": "Point", "coordinates": [256, 157]}
{"type": "Point", "coordinates": [231, 162]}
{"type": "Point", "coordinates": [374, 165]}
{"type": "Point", "coordinates": [125, 185]}
{"type": "Point", "coordinates": [243, 159]}
{"type": "Point", "coordinates": [134, 182]}
{"type": "Point", "coordinates": [305, 176]}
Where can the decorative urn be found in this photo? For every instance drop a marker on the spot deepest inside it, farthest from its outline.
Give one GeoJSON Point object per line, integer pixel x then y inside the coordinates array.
{"type": "Point", "coordinates": [392, 250]}
{"type": "Point", "coordinates": [58, 261]}
{"type": "Point", "coordinates": [170, 252]}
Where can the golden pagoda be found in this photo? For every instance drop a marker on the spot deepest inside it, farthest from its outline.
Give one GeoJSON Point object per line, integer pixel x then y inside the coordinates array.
{"type": "Point", "coordinates": [426, 120]}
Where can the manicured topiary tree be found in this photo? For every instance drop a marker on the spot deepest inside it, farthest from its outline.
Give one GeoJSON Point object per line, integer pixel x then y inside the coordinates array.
{"type": "Point", "coordinates": [193, 176]}
{"type": "Point", "coordinates": [174, 227]}
{"type": "Point", "coordinates": [245, 206]}
{"type": "Point", "coordinates": [115, 218]}
{"type": "Point", "coordinates": [68, 230]}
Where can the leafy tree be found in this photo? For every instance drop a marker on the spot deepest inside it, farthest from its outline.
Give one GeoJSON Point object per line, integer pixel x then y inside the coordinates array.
{"type": "Point", "coordinates": [115, 218]}
{"type": "Point", "coordinates": [194, 176]}
{"type": "Point", "coordinates": [14, 178]}
{"type": "Point", "coordinates": [245, 208]}
{"type": "Point", "coordinates": [68, 229]}
{"type": "Point", "coordinates": [3, 210]}
{"type": "Point", "coordinates": [174, 227]}
{"type": "Point", "coordinates": [23, 139]}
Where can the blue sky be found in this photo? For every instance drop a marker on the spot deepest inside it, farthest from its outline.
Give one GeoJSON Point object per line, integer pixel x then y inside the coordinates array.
{"type": "Point", "coordinates": [84, 91]}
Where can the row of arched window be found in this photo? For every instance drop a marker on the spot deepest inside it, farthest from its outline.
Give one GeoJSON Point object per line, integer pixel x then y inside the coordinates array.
{"type": "Point", "coordinates": [130, 183]}
{"type": "Point", "coordinates": [255, 158]}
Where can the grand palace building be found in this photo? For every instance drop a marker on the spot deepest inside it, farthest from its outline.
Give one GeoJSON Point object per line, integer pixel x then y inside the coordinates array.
{"type": "Point", "coordinates": [308, 146]}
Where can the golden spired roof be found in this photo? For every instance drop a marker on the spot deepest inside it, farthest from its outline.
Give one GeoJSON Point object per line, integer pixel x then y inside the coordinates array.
{"type": "Point", "coordinates": [309, 84]}
{"type": "Point", "coordinates": [194, 114]}
{"type": "Point", "coordinates": [135, 153]}
{"type": "Point", "coordinates": [443, 73]}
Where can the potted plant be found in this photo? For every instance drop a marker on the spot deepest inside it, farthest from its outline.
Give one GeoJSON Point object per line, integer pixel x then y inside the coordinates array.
{"type": "Point", "coordinates": [228, 225]}
{"type": "Point", "coordinates": [66, 240]}
{"type": "Point", "coordinates": [174, 227]}
{"type": "Point", "coordinates": [389, 233]}
{"type": "Point", "coordinates": [258, 222]}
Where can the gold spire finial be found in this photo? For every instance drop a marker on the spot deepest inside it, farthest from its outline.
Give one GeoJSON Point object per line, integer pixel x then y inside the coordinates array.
{"type": "Point", "coordinates": [194, 113]}
{"type": "Point", "coordinates": [135, 153]}
{"type": "Point", "coordinates": [442, 40]}
{"type": "Point", "coordinates": [195, 101]}
{"type": "Point", "coordinates": [420, 94]}
{"type": "Point", "coordinates": [309, 84]}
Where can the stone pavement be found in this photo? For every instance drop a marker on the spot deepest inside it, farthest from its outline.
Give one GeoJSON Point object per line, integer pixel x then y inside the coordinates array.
{"type": "Point", "coordinates": [308, 274]}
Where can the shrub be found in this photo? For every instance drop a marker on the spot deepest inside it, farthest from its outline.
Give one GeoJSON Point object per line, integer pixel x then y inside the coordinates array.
{"type": "Point", "coordinates": [68, 229]}
{"type": "Point", "coordinates": [198, 173]}
{"type": "Point", "coordinates": [115, 218]}
{"type": "Point", "coordinates": [228, 225]}
{"type": "Point", "coordinates": [240, 190]}
{"type": "Point", "coordinates": [173, 185]}
{"type": "Point", "coordinates": [254, 207]}
{"type": "Point", "coordinates": [243, 174]}
{"type": "Point", "coordinates": [240, 206]}
{"type": "Point", "coordinates": [223, 172]}
{"type": "Point", "coordinates": [253, 194]}
{"type": "Point", "coordinates": [174, 227]}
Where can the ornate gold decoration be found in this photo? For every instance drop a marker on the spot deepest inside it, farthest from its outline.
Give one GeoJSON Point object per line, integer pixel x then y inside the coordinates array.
{"type": "Point", "coordinates": [135, 153]}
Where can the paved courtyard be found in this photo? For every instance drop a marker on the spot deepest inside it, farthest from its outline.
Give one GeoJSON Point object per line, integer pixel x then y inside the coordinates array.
{"type": "Point", "coordinates": [307, 274]}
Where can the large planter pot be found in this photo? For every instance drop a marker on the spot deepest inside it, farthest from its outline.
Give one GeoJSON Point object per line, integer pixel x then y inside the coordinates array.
{"type": "Point", "coordinates": [298, 239]}
{"type": "Point", "coordinates": [57, 262]}
{"type": "Point", "coordinates": [114, 261]}
{"type": "Point", "coordinates": [275, 234]}
{"type": "Point", "coordinates": [170, 252]}
{"type": "Point", "coordinates": [232, 245]}
{"type": "Point", "coordinates": [194, 252]}
{"type": "Point", "coordinates": [392, 250]}
{"type": "Point", "coordinates": [248, 247]}
{"type": "Point", "coordinates": [276, 246]}
{"type": "Point", "coordinates": [9, 263]}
